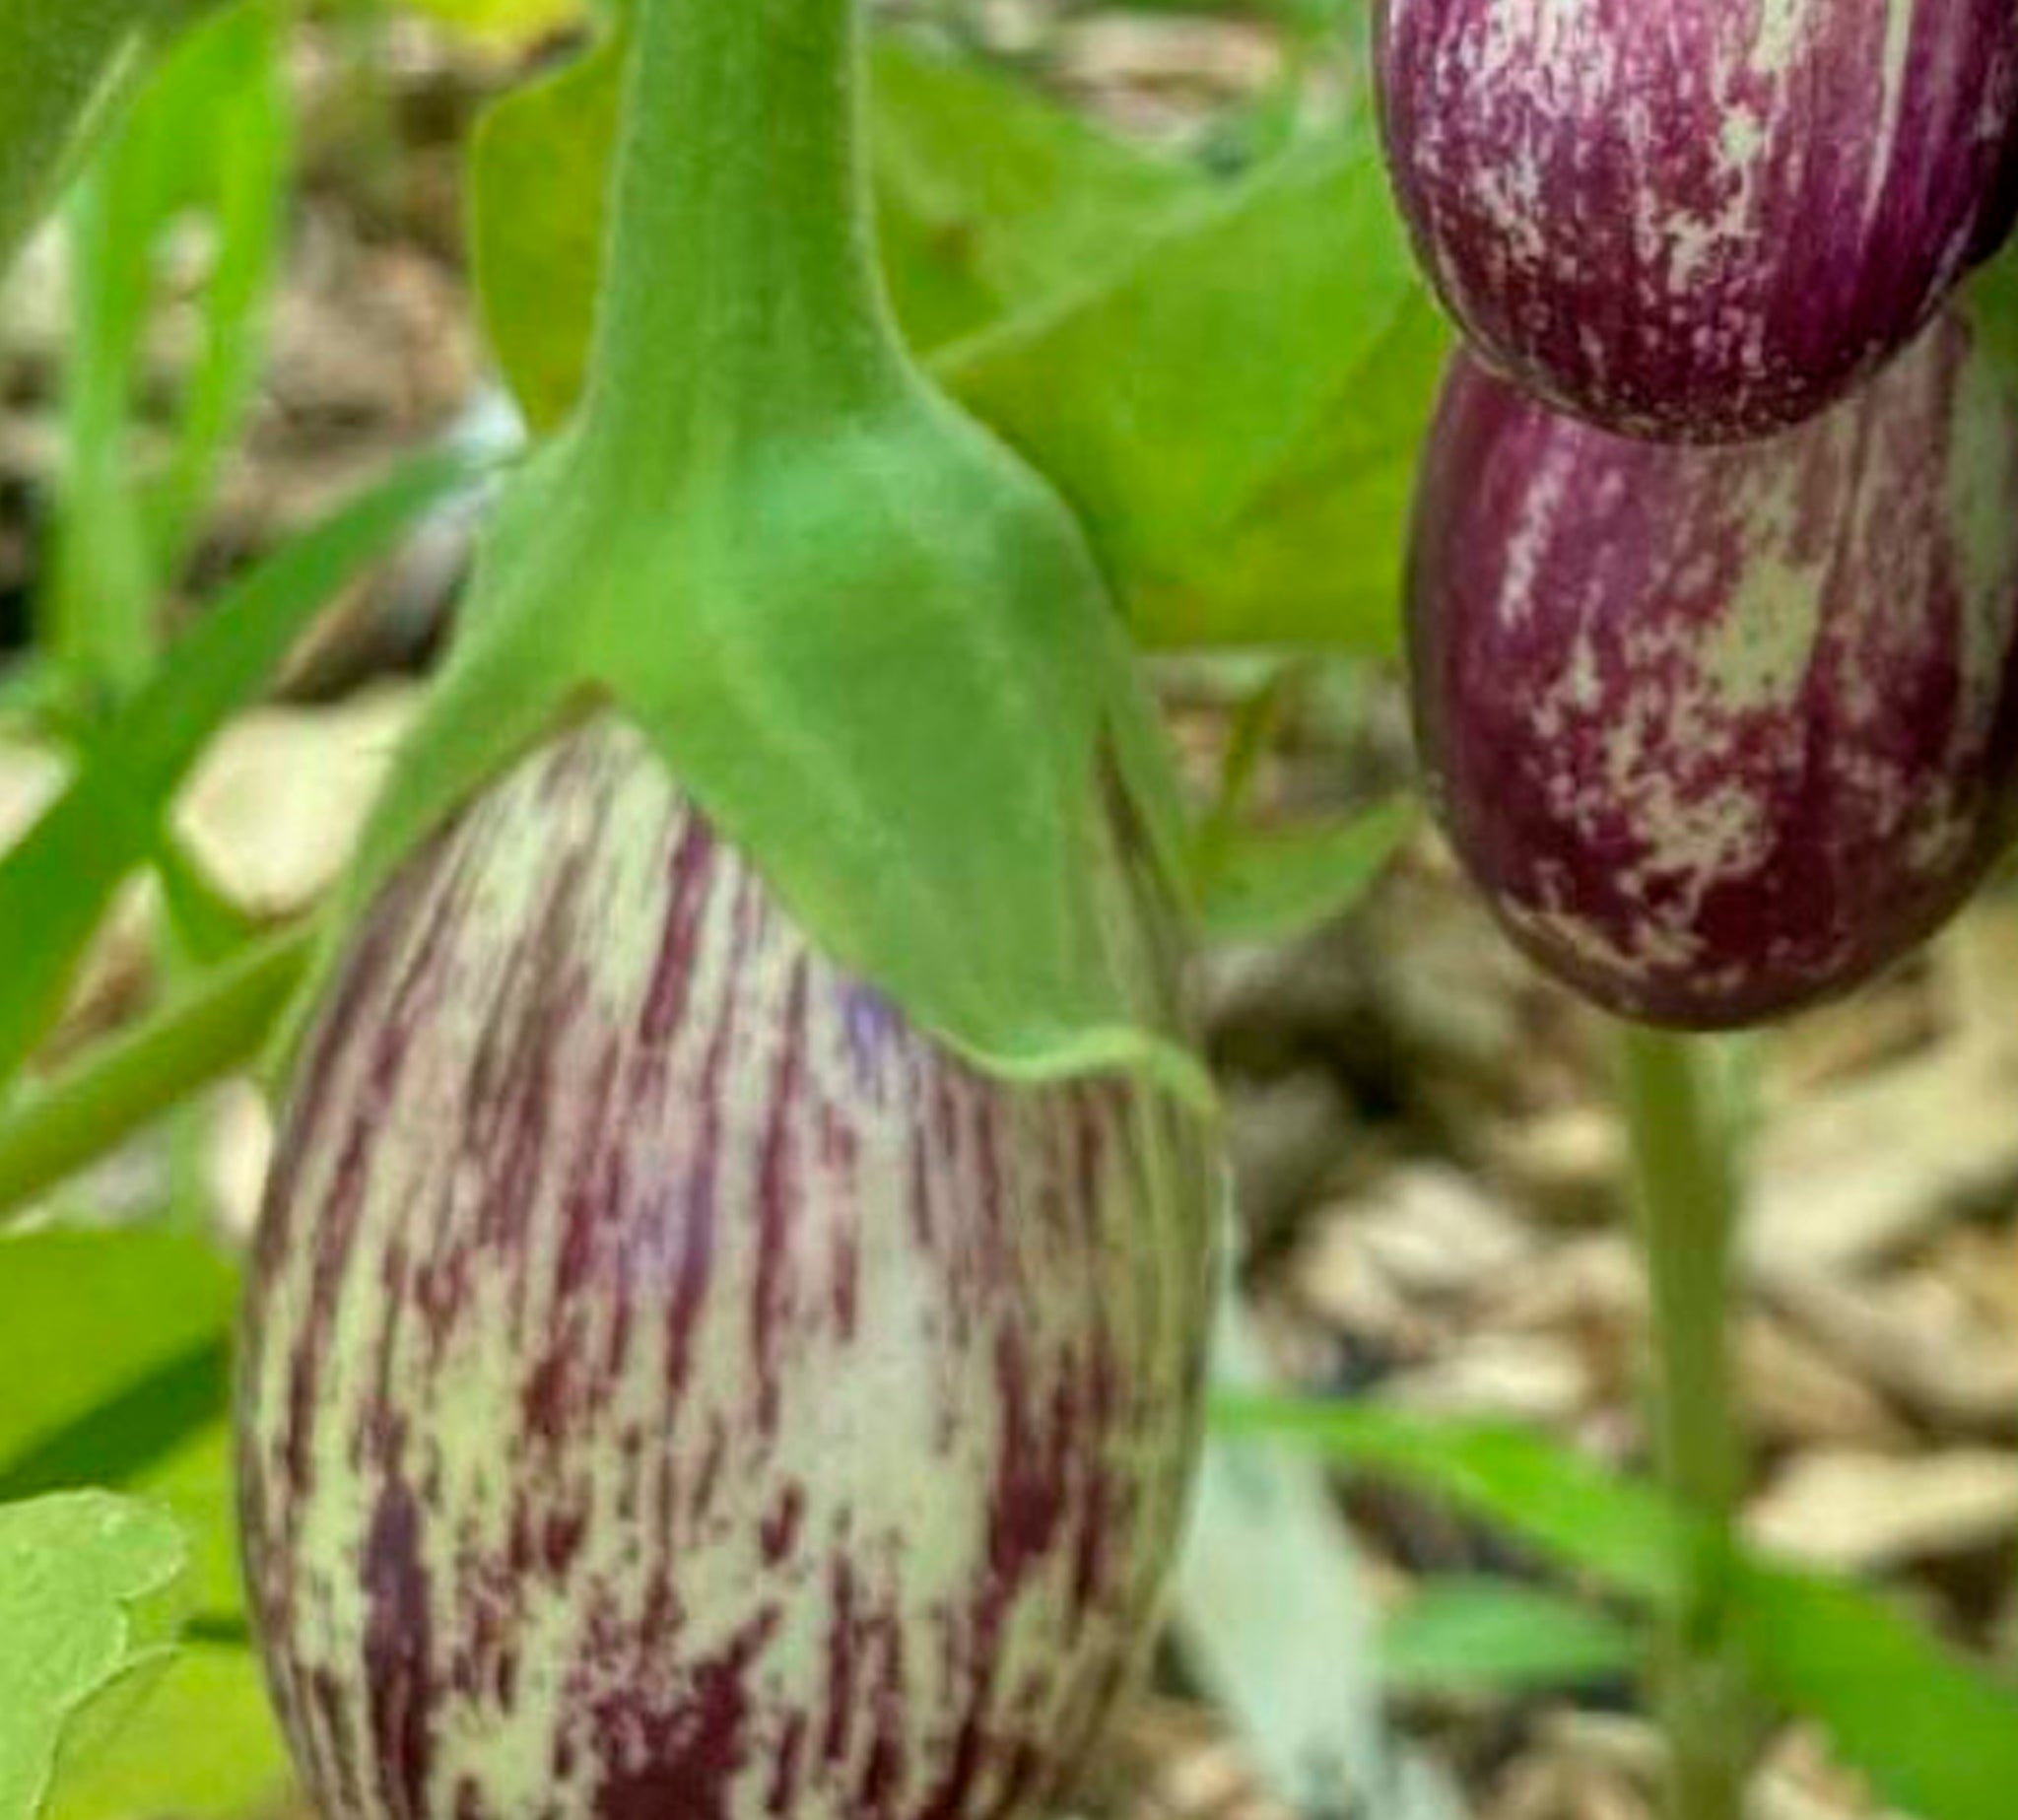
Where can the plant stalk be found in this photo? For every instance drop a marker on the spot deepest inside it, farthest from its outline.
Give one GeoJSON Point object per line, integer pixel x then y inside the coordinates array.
{"type": "Point", "coordinates": [1686, 1204]}
{"type": "Point", "coordinates": [132, 1079]}
{"type": "Point", "coordinates": [743, 300]}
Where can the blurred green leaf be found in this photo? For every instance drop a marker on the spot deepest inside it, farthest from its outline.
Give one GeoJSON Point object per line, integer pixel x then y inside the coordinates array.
{"type": "Point", "coordinates": [204, 1746]}
{"type": "Point", "coordinates": [115, 1345]}
{"type": "Point", "coordinates": [232, 102]}
{"type": "Point", "coordinates": [55, 884]}
{"type": "Point", "coordinates": [206, 137]}
{"type": "Point", "coordinates": [1623, 1533]}
{"type": "Point", "coordinates": [117, 1333]}
{"type": "Point", "coordinates": [538, 163]}
{"type": "Point", "coordinates": [1991, 300]}
{"type": "Point", "coordinates": [86, 1581]}
{"type": "Point", "coordinates": [989, 198]}
{"type": "Point", "coordinates": [55, 65]}
{"type": "Point", "coordinates": [1273, 884]}
{"type": "Point", "coordinates": [1497, 1636]}
{"type": "Point", "coordinates": [503, 22]}
{"type": "Point", "coordinates": [1274, 1619]}
{"type": "Point", "coordinates": [118, 1086]}
{"type": "Point", "coordinates": [196, 1481]}
{"type": "Point", "coordinates": [1238, 415]}
{"type": "Point", "coordinates": [1936, 1737]}
{"type": "Point", "coordinates": [1231, 388]}
{"type": "Point", "coordinates": [1307, 15]}
{"type": "Point", "coordinates": [62, 68]}
{"type": "Point", "coordinates": [209, 928]}
{"type": "Point", "coordinates": [132, 1433]}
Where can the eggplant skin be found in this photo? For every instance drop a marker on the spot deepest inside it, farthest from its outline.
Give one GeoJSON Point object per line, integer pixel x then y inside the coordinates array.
{"type": "Point", "coordinates": [672, 1388]}
{"type": "Point", "coordinates": [1698, 220]}
{"type": "Point", "coordinates": [1721, 732]}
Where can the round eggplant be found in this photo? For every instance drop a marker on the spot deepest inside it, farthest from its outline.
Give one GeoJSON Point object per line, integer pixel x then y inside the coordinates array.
{"type": "Point", "coordinates": [1722, 731]}
{"type": "Point", "coordinates": [1698, 220]}
{"type": "Point", "coordinates": [674, 1385]}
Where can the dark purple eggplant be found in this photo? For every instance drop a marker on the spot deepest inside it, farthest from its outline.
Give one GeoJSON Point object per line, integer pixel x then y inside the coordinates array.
{"type": "Point", "coordinates": [1698, 220]}
{"type": "Point", "coordinates": [674, 1386]}
{"type": "Point", "coordinates": [1723, 731]}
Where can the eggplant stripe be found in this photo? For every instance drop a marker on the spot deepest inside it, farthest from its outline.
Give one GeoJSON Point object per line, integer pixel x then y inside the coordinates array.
{"type": "Point", "coordinates": [1721, 730]}
{"type": "Point", "coordinates": [1699, 219]}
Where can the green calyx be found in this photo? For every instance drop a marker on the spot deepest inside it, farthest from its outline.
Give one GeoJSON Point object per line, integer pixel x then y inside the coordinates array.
{"type": "Point", "coordinates": [867, 640]}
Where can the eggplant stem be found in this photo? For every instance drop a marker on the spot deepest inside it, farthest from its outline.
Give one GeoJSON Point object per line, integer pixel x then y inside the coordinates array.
{"type": "Point", "coordinates": [743, 303]}
{"type": "Point", "coordinates": [1687, 1203]}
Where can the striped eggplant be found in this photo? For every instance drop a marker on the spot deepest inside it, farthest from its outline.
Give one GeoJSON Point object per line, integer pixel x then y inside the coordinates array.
{"type": "Point", "coordinates": [674, 1386]}
{"type": "Point", "coordinates": [1723, 731]}
{"type": "Point", "coordinates": [1698, 220]}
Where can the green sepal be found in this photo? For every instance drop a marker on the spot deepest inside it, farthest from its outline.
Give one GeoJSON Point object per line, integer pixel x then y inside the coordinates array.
{"type": "Point", "coordinates": [883, 662]}
{"type": "Point", "coordinates": [870, 642]}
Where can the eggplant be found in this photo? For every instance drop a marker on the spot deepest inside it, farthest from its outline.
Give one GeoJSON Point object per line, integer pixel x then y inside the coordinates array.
{"type": "Point", "coordinates": [1721, 732]}
{"type": "Point", "coordinates": [1698, 220]}
{"type": "Point", "coordinates": [672, 1383]}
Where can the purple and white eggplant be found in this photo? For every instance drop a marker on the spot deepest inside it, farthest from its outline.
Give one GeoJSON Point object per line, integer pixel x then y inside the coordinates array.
{"type": "Point", "coordinates": [1698, 220]}
{"type": "Point", "coordinates": [672, 1384]}
{"type": "Point", "coordinates": [1723, 731]}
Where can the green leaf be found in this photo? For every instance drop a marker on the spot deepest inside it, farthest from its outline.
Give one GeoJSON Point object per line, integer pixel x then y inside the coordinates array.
{"type": "Point", "coordinates": [1624, 1533]}
{"type": "Point", "coordinates": [133, 1434]}
{"type": "Point", "coordinates": [1495, 1636]}
{"type": "Point", "coordinates": [989, 198]}
{"type": "Point", "coordinates": [207, 134]}
{"type": "Point", "coordinates": [86, 1581]}
{"type": "Point", "coordinates": [111, 1348]}
{"type": "Point", "coordinates": [1273, 884]}
{"type": "Point", "coordinates": [1237, 416]}
{"type": "Point", "coordinates": [1991, 300]}
{"type": "Point", "coordinates": [1934, 1737]}
{"type": "Point", "coordinates": [221, 1023]}
{"type": "Point", "coordinates": [117, 1348]}
{"type": "Point", "coordinates": [204, 1746]}
{"type": "Point", "coordinates": [539, 160]}
{"type": "Point", "coordinates": [62, 68]}
{"type": "Point", "coordinates": [197, 1482]}
{"type": "Point", "coordinates": [503, 22]}
{"type": "Point", "coordinates": [1274, 1620]}
{"type": "Point", "coordinates": [55, 884]}
{"type": "Point", "coordinates": [116, 1345]}
{"type": "Point", "coordinates": [229, 108]}
{"type": "Point", "coordinates": [210, 928]}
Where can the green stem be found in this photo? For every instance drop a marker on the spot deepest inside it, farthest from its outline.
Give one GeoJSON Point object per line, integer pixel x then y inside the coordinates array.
{"type": "Point", "coordinates": [137, 1076]}
{"type": "Point", "coordinates": [1687, 1201]}
{"type": "Point", "coordinates": [742, 298]}
{"type": "Point", "coordinates": [210, 927]}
